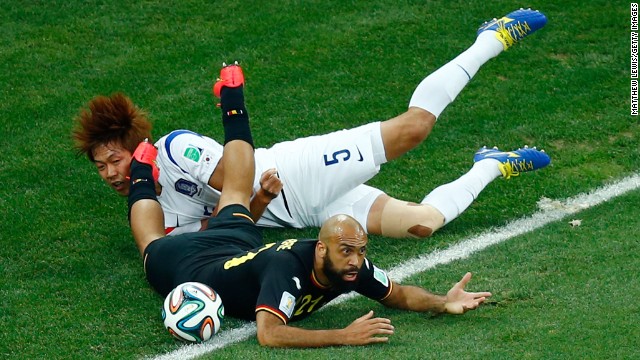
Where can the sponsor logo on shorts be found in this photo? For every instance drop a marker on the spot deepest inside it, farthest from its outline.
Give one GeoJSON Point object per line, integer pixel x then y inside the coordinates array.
{"type": "Point", "coordinates": [192, 153]}
{"type": "Point", "coordinates": [359, 153]}
{"type": "Point", "coordinates": [287, 303]}
{"type": "Point", "coordinates": [186, 187]}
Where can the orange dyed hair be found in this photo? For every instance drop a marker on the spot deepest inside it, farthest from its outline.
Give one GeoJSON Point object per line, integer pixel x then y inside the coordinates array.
{"type": "Point", "coordinates": [110, 120]}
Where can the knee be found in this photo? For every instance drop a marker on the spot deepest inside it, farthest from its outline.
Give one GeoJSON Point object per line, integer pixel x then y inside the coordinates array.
{"type": "Point", "coordinates": [419, 123]}
{"type": "Point", "coordinates": [420, 231]}
{"type": "Point", "coordinates": [410, 220]}
{"type": "Point", "coordinates": [425, 220]}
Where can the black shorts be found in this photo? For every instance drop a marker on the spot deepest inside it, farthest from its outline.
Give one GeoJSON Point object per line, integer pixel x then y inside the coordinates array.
{"type": "Point", "coordinates": [173, 260]}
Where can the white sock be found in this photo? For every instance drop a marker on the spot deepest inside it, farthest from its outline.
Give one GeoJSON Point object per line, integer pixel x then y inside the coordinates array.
{"type": "Point", "coordinates": [455, 197]}
{"type": "Point", "coordinates": [440, 88]}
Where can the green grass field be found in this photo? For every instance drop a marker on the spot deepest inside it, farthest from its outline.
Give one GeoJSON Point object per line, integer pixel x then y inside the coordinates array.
{"type": "Point", "coordinates": [72, 282]}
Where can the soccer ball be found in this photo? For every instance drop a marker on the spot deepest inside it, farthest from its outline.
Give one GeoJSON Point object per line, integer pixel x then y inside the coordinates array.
{"type": "Point", "coordinates": [193, 312]}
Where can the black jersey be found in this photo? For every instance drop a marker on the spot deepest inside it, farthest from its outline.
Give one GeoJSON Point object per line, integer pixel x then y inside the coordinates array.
{"type": "Point", "coordinates": [276, 277]}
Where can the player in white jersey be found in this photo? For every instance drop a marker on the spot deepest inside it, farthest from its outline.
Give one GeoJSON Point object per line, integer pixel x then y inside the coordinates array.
{"type": "Point", "coordinates": [338, 164]}
{"type": "Point", "coordinates": [190, 170]}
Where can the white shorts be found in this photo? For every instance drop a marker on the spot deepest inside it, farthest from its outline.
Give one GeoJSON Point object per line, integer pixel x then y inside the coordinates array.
{"type": "Point", "coordinates": [323, 176]}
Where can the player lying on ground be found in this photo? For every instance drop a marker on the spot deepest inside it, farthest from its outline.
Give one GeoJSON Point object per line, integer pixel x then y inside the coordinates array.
{"type": "Point", "coordinates": [276, 283]}
{"type": "Point", "coordinates": [191, 170]}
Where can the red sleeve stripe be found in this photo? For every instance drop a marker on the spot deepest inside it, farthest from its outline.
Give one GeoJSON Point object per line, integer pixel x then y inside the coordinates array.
{"type": "Point", "coordinates": [275, 312]}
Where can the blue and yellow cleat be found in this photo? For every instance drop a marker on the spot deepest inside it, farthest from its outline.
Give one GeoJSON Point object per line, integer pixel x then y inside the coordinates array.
{"type": "Point", "coordinates": [514, 26]}
{"type": "Point", "coordinates": [512, 163]}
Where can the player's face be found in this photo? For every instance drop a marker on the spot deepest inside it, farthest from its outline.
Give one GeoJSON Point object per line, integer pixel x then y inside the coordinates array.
{"type": "Point", "coordinates": [344, 259]}
{"type": "Point", "coordinates": [114, 166]}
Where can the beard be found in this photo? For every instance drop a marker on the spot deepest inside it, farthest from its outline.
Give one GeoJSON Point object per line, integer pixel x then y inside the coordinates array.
{"type": "Point", "coordinates": [335, 276]}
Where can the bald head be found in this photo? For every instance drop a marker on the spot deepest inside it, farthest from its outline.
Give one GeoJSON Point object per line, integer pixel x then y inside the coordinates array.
{"type": "Point", "coordinates": [340, 252]}
{"type": "Point", "coordinates": [340, 227]}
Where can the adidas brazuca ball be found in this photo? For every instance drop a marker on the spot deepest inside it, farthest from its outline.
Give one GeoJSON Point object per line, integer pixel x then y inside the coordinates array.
{"type": "Point", "coordinates": [193, 312]}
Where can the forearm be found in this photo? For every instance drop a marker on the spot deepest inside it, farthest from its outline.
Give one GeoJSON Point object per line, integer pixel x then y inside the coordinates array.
{"type": "Point", "coordinates": [294, 337]}
{"type": "Point", "coordinates": [457, 300]}
{"type": "Point", "coordinates": [270, 187]}
{"type": "Point", "coordinates": [365, 330]}
{"type": "Point", "coordinates": [258, 204]}
{"type": "Point", "coordinates": [414, 298]}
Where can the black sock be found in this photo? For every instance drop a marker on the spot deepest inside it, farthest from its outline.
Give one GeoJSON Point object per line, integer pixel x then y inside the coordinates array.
{"type": "Point", "coordinates": [142, 184]}
{"type": "Point", "coordinates": [235, 118]}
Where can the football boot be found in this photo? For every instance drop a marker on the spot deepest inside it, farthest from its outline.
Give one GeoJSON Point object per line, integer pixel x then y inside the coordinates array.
{"type": "Point", "coordinates": [514, 26]}
{"type": "Point", "coordinates": [512, 163]}
{"type": "Point", "coordinates": [146, 153]}
{"type": "Point", "coordinates": [230, 76]}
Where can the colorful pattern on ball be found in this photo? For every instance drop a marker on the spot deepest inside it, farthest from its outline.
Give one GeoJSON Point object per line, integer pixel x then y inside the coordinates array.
{"type": "Point", "coordinates": [193, 312]}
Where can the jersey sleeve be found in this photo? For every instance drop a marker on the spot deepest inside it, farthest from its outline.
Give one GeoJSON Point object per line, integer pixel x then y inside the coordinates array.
{"type": "Point", "coordinates": [191, 153]}
{"type": "Point", "coordinates": [374, 282]}
{"type": "Point", "coordinates": [281, 287]}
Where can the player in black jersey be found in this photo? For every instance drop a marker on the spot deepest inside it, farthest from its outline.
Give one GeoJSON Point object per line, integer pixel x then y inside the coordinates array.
{"type": "Point", "coordinates": [274, 283]}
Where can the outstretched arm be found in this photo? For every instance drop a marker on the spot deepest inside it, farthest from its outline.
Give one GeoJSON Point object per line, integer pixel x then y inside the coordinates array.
{"type": "Point", "coordinates": [456, 301]}
{"type": "Point", "coordinates": [365, 330]}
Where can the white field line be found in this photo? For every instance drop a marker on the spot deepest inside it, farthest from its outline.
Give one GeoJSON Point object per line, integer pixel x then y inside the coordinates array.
{"type": "Point", "coordinates": [550, 211]}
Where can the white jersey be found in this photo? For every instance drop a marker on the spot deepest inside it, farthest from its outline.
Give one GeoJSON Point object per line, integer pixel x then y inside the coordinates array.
{"type": "Point", "coordinates": [321, 175]}
{"type": "Point", "coordinates": [187, 161]}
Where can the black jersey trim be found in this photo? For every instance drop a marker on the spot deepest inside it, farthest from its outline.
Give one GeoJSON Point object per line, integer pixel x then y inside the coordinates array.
{"type": "Point", "coordinates": [316, 282]}
{"type": "Point", "coordinates": [389, 291]}
{"type": "Point", "coordinates": [286, 205]}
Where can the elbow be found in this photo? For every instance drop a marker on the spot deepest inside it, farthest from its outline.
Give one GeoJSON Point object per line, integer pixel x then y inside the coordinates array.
{"type": "Point", "coordinates": [269, 330]}
{"type": "Point", "coordinates": [266, 341]}
{"type": "Point", "coordinates": [263, 339]}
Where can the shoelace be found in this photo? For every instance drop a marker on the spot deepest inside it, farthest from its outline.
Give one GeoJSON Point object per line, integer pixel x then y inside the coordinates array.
{"type": "Point", "coordinates": [514, 33]}
{"type": "Point", "coordinates": [514, 168]}
{"type": "Point", "coordinates": [507, 170]}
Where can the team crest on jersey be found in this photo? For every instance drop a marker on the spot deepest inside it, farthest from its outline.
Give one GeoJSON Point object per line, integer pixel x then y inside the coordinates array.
{"type": "Point", "coordinates": [287, 303]}
{"type": "Point", "coordinates": [192, 153]}
{"type": "Point", "coordinates": [381, 276]}
{"type": "Point", "coordinates": [186, 187]}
